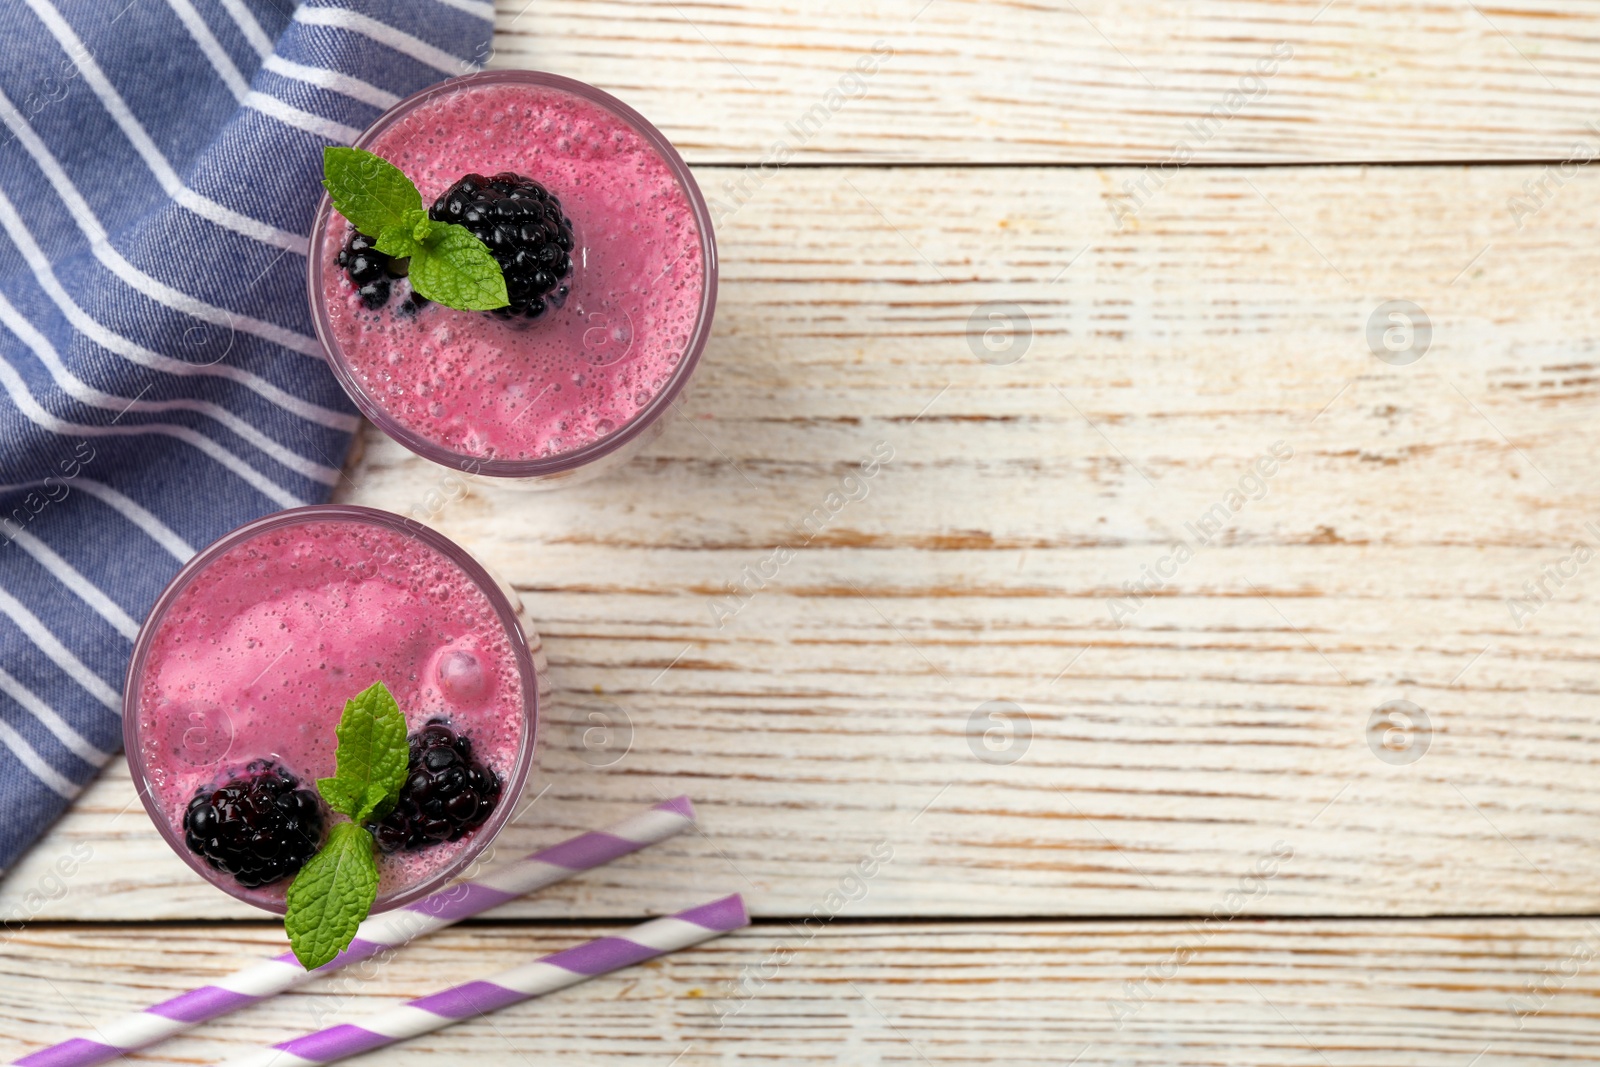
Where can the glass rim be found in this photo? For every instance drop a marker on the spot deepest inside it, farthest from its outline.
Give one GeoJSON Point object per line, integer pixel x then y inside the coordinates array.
{"type": "Point", "coordinates": [597, 449]}
{"type": "Point", "coordinates": [516, 781]}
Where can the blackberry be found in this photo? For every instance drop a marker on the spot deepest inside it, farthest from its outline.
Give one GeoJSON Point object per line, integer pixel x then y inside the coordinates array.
{"type": "Point", "coordinates": [446, 795]}
{"type": "Point", "coordinates": [522, 223]}
{"type": "Point", "coordinates": [258, 826]}
{"type": "Point", "coordinates": [372, 272]}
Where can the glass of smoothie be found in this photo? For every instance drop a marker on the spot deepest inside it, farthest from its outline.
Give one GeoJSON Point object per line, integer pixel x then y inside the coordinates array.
{"type": "Point", "coordinates": [609, 257]}
{"type": "Point", "coordinates": [243, 668]}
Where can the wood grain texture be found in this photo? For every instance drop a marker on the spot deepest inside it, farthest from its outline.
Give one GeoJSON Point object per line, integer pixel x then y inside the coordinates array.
{"type": "Point", "coordinates": [1346, 993]}
{"type": "Point", "coordinates": [1229, 713]}
{"type": "Point", "coordinates": [1092, 81]}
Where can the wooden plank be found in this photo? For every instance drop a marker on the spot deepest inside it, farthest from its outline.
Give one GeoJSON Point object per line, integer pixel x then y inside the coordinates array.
{"type": "Point", "coordinates": [1169, 754]}
{"type": "Point", "coordinates": [1096, 81]}
{"type": "Point", "coordinates": [1349, 993]}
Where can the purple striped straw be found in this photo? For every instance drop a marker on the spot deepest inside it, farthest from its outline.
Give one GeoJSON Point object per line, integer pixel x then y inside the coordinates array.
{"type": "Point", "coordinates": [545, 975]}
{"type": "Point", "coordinates": [378, 933]}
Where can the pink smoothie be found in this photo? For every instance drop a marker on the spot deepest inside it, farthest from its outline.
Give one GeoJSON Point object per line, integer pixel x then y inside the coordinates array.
{"type": "Point", "coordinates": [483, 387]}
{"type": "Point", "coordinates": [256, 656]}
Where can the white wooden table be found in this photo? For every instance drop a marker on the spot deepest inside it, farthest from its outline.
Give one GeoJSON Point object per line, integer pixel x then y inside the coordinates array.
{"type": "Point", "coordinates": [1202, 751]}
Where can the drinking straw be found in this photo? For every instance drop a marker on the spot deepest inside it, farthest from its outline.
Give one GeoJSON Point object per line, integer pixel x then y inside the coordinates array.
{"type": "Point", "coordinates": [379, 933]}
{"type": "Point", "coordinates": [556, 971]}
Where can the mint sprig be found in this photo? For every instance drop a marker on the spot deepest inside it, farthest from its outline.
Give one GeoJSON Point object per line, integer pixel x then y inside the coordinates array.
{"type": "Point", "coordinates": [334, 891]}
{"type": "Point", "coordinates": [449, 264]}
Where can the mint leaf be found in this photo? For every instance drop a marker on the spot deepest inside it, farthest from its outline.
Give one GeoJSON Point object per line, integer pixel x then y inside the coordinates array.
{"type": "Point", "coordinates": [371, 757]}
{"type": "Point", "coordinates": [422, 227]}
{"type": "Point", "coordinates": [341, 796]}
{"type": "Point", "coordinates": [407, 237]}
{"type": "Point", "coordinates": [331, 895]}
{"type": "Point", "coordinates": [455, 269]}
{"type": "Point", "coordinates": [368, 190]}
{"type": "Point", "coordinates": [398, 241]}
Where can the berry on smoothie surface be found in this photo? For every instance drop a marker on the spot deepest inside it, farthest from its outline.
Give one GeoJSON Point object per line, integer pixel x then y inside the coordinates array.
{"type": "Point", "coordinates": [526, 231]}
{"type": "Point", "coordinates": [258, 825]}
{"type": "Point", "coordinates": [447, 794]}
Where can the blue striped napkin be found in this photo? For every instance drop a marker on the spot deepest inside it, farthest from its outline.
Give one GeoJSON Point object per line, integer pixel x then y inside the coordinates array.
{"type": "Point", "coordinates": [160, 382]}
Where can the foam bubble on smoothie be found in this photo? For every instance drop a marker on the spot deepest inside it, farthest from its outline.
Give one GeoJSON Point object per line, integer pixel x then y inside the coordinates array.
{"type": "Point", "coordinates": [461, 678]}
{"type": "Point", "coordinates": [259, 652]}
{"type": "Point", "coordinates": [485, 387]}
